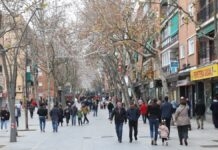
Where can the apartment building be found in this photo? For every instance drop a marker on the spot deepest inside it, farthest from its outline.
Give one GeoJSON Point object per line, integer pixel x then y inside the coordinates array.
{"type": "Point", "coordinates": [205, 76]}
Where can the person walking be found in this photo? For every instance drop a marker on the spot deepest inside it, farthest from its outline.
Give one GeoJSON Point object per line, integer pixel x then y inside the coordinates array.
{"type": "Point", "coordinates": [166, 112]}
{"type": "Point", "coordinates": [200, 109]}
{"type": "Point", "coordinates": [31, 109]}
{"type": "Point", "coordinates": [110, 108]}
{"type": "Point", "coordinates": [55, 113]}
{"type": "Point", "coordinates": [67, 113]}
{"type": "Point", "coordinates": [133, 115]}
{"type": "Point", "coordinates": [182, 121]}
{"type": "Point", "coordinates": [17, 114]}
{"type": "Point", "coordinates": [95, 109]}
{"type": "Point", "coordinates": [5, 116]}
{"type": "Point", "coordinates": [74, 111]}
{"type": "Point", "coordinates": [61, 115]}
{"type": "Point", "coordinates": [80, 116]}
{"type": "Point", "coordinates": [214, 109]}
{"type": "Point", "coordinates": [154, 113]}
{"type": "Point", "coordinates": [85, 111]}
{"type": "Point", "coordinates": [143, 111]}
{"type": "Point", "coordinates": [120, 116]}
{"type": "Point", "coordinates": [164, 132]}
{"type": "Point", "coordinates": [43, 113]}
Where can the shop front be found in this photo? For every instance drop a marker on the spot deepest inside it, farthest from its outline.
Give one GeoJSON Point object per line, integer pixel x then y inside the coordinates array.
{"type": "Point", "coordinates": [206, 80]}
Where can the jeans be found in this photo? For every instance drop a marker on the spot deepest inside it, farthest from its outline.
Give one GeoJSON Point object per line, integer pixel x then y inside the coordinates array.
{"type": "Point", "coordinates": [17, 120]}
{"type": "Point", "coordinates": [55, 125]}
{"type": "Point", "coordinates": [110, 113]}
{"type": "Point", "coordinates": [133, 125]}
{"type": "Point", "coordinates": [119, 131]}
{"type": "Point", "coordinates": [154, 124]}
{"type": "Point", "coordinates": [144, 118]}
{"type": "Point", "coordinates": [183, 132]}
{"type": "Point", "coordinates": [4, 123]}
{"type": "Point", "coordinates": [95, 113]}
{"type": "Point", "coordinates": [73, 120]}
{"type": "Point", "coordinates": [42, 120]}
{"type": "Point", "coordinates": [200, 121]}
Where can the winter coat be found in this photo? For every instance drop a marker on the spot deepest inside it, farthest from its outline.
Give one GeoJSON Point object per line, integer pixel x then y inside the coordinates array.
{"type": "Point", "coordinates": [85, 110]}
{"type": "Point", "coordinates": [154, 111]}
{"type": "Point", "coordinates": [166, 110]}
{"type": "Point", "coordinates": [74, 110]}
{"type": "Point", "coordinates": [214, 107]}
{"type": "Point", "coordinates": [42, 112]}
{"type": "Point", "coordinates": [5, 115]}
{"type": "Point", "coordinates": [143, 109]}
{"type": "Point", "coordinates": [79, 114]}
{"type": "Point", "coordinates": [119, 115]}
{"type": "Point", "coordinates": [133, 114]}
{"type": "Point", "coordinates": [110, 106]}
{"type": "Point", "coordinates": [67, 112]}
{"type": "Point", "coordinates": [200, 109]}
{"type": "Point", "coordinates": [55, 113]}
{"type": "Point", "coordinates": [164, 131]}
{"type": "Point", "coordinates": [181, 115]}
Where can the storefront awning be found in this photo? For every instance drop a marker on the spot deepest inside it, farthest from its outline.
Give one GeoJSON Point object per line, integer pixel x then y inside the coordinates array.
{"type": "Point", "coordinates": [184, 82]}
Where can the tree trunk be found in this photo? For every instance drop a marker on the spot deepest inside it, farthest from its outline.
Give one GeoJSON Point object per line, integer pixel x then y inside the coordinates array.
{"type": "Point", "coordinates": [162, 75]}
{"type": "Point", "coordinates": [11, 101]}
{"type": "Point", "coordinates": [11, 88]}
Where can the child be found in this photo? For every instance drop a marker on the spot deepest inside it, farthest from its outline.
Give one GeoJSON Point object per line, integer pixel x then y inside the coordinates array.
{"type": "Point", "coordinates": [164, 132]}
{"type": "Point", "coordinates": [80, 116]}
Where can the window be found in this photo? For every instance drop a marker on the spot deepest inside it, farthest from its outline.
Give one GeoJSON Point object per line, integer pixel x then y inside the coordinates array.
{"type": "Point", "coordinates": [181, 52]}
{"type": "Point", "coordinates": [182, 17]}
{"type": "Point", "coordinates": [165, 58]}
{"type": "Point", "coordinates": [40, 83]}
{"type": "Point", "coordinates": [191, 46]}
{"type": "Point", "coordinates": [39, 72]}
{"type": "Point", "coordinates": [190, 9]}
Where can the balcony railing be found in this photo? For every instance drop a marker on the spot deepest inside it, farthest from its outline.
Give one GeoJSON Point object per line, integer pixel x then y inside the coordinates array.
{"type": "Point", "coordinates": [169, 41]}
{"type": "Point", "coordinates": [206, 12]}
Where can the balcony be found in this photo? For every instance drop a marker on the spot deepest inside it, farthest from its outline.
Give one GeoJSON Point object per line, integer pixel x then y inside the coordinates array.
{"type": "Point", "coordinates": [207, 52]}
{"type": "Point", "coordinates": [169, 41]}
{"type": "Point", "coordinates": [206, 12]}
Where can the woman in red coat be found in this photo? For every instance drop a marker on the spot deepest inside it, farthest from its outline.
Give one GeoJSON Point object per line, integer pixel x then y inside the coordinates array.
{"type": "Point", "coordinates": [143, 111]}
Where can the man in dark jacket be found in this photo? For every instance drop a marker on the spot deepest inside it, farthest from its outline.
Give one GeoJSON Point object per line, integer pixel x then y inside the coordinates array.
{"type": "Point", "coordinates": [110, 108]}
{"type": "Point", "coordinates": [200, 111]}
{"type": "Point", "coordinates": [5, 116]}
{"type": "Point", "coordinates": [133, 115]}
{"type": "Point", "coordinates": [42, 112]}
{"type": "Point", "coordinates": [166, 112]}
{"type": "Point", "coordinates": [214, 109]}
{"type": "Point", "coordinates": [120, 117]}
{"type": "Point", "coordinates": [55, 113]}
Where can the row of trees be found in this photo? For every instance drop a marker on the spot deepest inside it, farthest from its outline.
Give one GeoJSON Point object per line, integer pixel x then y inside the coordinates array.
{"type": "Point", "coordinates": [117, 32]}
{"type": "Point", "coordinates": [37, 30]}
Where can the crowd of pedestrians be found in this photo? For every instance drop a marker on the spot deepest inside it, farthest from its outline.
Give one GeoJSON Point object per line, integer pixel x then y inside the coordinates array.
{"type": "Point", "coordinates": [161, 115]}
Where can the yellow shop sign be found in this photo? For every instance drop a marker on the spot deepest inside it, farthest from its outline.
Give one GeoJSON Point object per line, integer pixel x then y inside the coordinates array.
{"type": "Point", "coordinates": [205, 72]}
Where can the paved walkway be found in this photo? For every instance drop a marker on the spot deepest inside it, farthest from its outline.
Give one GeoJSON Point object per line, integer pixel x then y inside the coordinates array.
{"type": "Point", "coordinates": [100, 135]}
